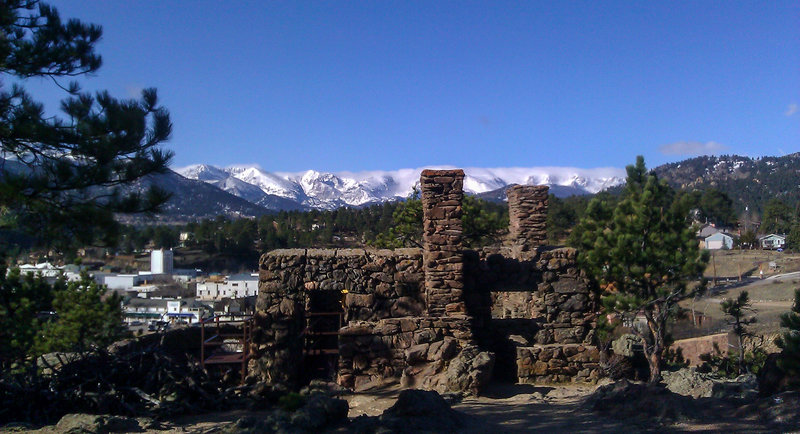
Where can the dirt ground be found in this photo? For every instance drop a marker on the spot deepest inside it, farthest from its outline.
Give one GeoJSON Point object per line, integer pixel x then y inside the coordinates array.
{"type": "Point", "coordinates": [729, 264]}
{"type": "Point", "coordinates": [505, 408]}
{"type": "Point", "coordinates": [770, 298]}
{"type": "Point", "coordinates": [511, 408]}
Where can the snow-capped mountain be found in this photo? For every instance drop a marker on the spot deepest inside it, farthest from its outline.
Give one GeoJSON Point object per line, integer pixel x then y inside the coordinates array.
{"type": "Point", "coordinates": [325, 190]}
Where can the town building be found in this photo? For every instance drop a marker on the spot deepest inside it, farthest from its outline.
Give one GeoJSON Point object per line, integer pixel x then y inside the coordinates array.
{"type": "Point", "coordinates": [189, 310]}
{"type": "Point", "coordinates": [719, 241]}
{"type": "Point", "coordinates": [144, 309]}
{"type": "Point", "coordinates": [235, 286]}
{"type": "Point", "coordinates": [161, 261]}
{"type": "Point", "coordinates": [772, 241]}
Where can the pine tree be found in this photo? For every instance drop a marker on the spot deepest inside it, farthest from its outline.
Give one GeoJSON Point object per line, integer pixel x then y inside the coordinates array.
{"type": "Point", "coordinates": [643, 254]}
{"type": "Point", "coordinates": [407, 229]}
{"type": "Point", "coordinates": [717, 207]}
{"type": "Point", "coordinates": [63, 178]}
{"type": "Point", "coordinates": [22, 300]}
{"type": "Point", "coordinates": [482, 222]}
{"type": "Point", "coordinates": [789, 342]}
{"type": "Point", "coordinates": [85, 319]}
{"type": "Point", "coordinates": [778, 217]}
{"type": "Point", "coordinates": [738, 310]}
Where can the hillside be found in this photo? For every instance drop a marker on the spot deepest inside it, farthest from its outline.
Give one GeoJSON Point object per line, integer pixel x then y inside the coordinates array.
{"type": "Point", "coordinates": [196, 199]}
{"type": "Point", "coordinates": [749, 182]}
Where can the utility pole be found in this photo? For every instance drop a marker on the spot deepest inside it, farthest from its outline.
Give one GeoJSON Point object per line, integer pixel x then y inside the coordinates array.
{"type": "Point", "coordinates": [714, 264]}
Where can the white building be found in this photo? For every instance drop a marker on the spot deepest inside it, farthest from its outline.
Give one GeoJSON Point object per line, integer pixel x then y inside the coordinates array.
{"type": "Point", "coordinates": [236, 286]}
{"type": "Point", "coordinates": [145, 309]}
{"type": "Point", "coordinates": [189, 310]}
{"type": "Point", "coordinates": [772, 241]}
{"type": "Point", "coordinates": [45, 269]}
{"type": "Point", "coordinates": [161, 261]}
{"type": "Point", "coordinates": [719, 241]}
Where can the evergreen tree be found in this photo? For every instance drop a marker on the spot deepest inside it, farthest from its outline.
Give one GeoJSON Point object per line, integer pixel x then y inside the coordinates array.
{"type": "Point", "coordinates": [748, 239]}
{"type": "Point", "coordinates": [789, 342]}
{"type": "Point", "coordinates": [793, 239]}
{"type": "Point", "coordinates": [407, 229]}
{"type": "Point", "coordinates": [483, 222]}
{"type": "Point", "coordinates": [23, 299]}
{"type": "Point", "coordinates": [717, 207]}
{"type": "Point", "coordinates": [85, 320]}
{"type": "Point", "coordinates": [738, 310]}
{"type": "Point", "coordinates": [643, 253]}
{"type": "Point", "coordinates": [778, 217]}
{"type": "Point", "coordinates": [63, 178]}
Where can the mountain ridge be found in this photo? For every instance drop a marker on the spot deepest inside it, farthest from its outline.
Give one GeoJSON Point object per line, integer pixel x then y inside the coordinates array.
{"type": "Point", "coordinates": [330, 190]}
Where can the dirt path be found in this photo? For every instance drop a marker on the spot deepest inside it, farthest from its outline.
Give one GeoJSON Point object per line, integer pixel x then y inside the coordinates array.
{"type": "Point", "coordinates": [512, 408]}
{"type": "Point", "coordinates": [509, 408]}
{"type": "Point", "coordinates": [526, 408]}
{"type": "Point", "coordinates": [505, 408]}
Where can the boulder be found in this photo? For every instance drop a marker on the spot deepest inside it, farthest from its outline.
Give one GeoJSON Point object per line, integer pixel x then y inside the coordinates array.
{"type": "Point", "coordinates": [626, 345]}
{"type": "Point", "coordinates": [320, 411]}
{"type": "Point", "coordinates": [415, 411]}
{"type": "Point", "coordinates": [417, 354]}
{"type": "Point", "coordinates": [470, 371]}
{"type": "Point", "coordinates": [744, 387]}
{"type": "Point", "coordinates": [641, 402]}
{"type": "Point", "coordinates": [93, 423]}
{"type": "Point", "coordinates": [688, 382]}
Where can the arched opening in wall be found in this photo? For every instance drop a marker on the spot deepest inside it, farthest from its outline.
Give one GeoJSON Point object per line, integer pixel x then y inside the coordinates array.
{"type": "Point", "coordinates": [324, 315]}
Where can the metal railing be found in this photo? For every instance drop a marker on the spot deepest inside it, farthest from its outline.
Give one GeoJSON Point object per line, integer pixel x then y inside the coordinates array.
{"type": "Point", "coordinates": [227, 344]}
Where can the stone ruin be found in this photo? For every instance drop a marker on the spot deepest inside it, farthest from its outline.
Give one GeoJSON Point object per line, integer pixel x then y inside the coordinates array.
{"type": "Point", "coordinates": [442, 317]}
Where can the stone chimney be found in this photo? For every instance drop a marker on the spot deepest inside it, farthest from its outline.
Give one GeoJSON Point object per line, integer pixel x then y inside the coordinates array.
{"type": "Point", "coordinates": [443, 262]}
{"type": "Point", "coordinates": [527, 216]}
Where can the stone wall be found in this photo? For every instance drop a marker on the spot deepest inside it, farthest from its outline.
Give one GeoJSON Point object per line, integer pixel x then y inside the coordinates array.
{"type": "Point", "coordinates": [539, 299]}
{"type": "Point", "coordinates": [546, 288]}
{"type": "Point", "coordinates": [415, 350]}
{"type": "Point", "coordinates": [385, 313]}
{"type": "Point", "coordinates": [375, 284]}
{"type": "Point", "coordinates": [527, 216]}
{"type": "Point", "coordinates": [558, 363]}
{"type": "Point", "coordinates": [433, 316]}
{"type": "Point", "coordinates": [692, 348]}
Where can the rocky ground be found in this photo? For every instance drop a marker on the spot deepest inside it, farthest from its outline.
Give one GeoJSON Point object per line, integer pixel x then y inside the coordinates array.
{"type": "Point", "coordinates": [610, 407]}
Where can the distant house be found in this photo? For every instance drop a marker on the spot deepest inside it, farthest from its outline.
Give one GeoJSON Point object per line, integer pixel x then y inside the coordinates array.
{"type": "Point", "coordinates": [772, 241]}
{"type": "Point", "coordinates": [236, 286]}
{"type": "Point", "coordinates": [137, 309]}
{"type": "Point", "coordinates": [719, 241]}
{"type": "Point", "coordinates": [707, 231]}
{"type": "Point", "coordinates": [126, 281]}
{"type": "Point", "coordinates": [188, 310]}
{"type": "Point", "coordinates": [235, 307]}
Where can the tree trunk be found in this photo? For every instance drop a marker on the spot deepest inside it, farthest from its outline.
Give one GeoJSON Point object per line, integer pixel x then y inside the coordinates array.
{"type": "Point", "coordinates": [654, 362]}
{"type": "Point", "coordinates": [742, 368]}
{"type": "Point", "coordinates": [654, 355]}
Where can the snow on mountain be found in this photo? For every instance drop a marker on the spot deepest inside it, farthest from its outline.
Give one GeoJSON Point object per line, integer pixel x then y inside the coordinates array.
{"type": "Point", "coordinates": [224, 181]}
{"type": "Point", "coordinates": [203, 172]}
{"type": "Point", "coordinates": [327, 190]}
{"type": "Point", "coordinates": [268, 182]}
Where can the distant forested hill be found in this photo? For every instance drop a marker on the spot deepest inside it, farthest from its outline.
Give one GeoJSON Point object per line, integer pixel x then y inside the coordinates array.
{"type": "Point", "coordinates": [748, 181]}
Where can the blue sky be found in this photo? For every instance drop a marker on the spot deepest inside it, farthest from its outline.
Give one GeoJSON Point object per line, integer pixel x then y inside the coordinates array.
{"type": "Point", "coordinates": [367, 85]}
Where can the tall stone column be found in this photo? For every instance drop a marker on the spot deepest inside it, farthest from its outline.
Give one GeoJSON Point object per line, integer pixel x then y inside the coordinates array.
{"type": "Point", "coordinates": [442, 194]}
{"type": "Point", "coordinates": [527, 216]}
